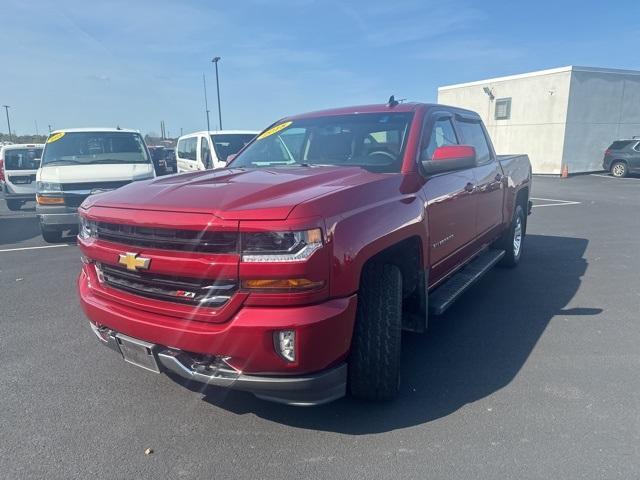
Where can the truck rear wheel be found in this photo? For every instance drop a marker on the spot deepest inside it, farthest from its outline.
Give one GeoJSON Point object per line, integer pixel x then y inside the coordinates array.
{"type": "Point", "coordinates": [374, 364]}
{"type": "Point", "coordinates": [513, 241]}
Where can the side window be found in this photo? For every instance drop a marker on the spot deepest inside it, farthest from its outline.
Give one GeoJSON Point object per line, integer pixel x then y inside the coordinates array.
{"type": "Point", "coordinates": [192, 148]}
{"type": "Point", "coordinates": [473, 134]}
{"type": "Point", "coordinates": [182, 149]}
{"type": "Point", "coordinates": [441, 134]}
{"type": "Point", "coordinates": [205, 153]}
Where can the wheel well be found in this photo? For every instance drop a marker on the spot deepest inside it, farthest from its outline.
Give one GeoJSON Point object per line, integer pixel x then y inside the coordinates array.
{"type": "Point", "coordinates": [522, 199]}
{"type": "Point", "coordinates": [407, 256]}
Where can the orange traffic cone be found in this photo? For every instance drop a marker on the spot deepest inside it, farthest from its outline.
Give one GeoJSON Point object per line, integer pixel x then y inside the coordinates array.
{"type": "Point", "coordinates": [565, 171]}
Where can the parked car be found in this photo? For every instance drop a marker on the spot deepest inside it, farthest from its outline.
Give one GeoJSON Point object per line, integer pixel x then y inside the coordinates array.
{"type": "Point", "coordinates": [622, 157]}
{"type": "Point", "coordinates": [292, 273]}
{"type": "Point", "coordinates": [79, 162]}
{"type": "Point", "coordinates": [18, 166]}
{"type": "Point", "coordinates": [170, 159]}
{"type": "Point", "coordinates": [164, 159]}
{"type": "Point", "coordinates": [207, 150]}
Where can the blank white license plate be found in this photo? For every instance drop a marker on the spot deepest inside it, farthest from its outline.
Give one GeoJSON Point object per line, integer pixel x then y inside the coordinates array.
{"type": "Point", "coordinates": [138, 352]}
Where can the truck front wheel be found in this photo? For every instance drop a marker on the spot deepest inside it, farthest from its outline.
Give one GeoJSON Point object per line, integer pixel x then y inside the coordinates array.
{"type": "Point", "coordinates": [374, 363]}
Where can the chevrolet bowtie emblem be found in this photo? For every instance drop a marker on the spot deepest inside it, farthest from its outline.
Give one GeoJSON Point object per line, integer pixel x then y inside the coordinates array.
{"type": "Point", "coordinates": [133, 262]}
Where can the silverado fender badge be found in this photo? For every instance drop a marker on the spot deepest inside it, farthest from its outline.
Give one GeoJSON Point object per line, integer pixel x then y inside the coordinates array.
{"type": "Point", "coordinates": [133, 262]}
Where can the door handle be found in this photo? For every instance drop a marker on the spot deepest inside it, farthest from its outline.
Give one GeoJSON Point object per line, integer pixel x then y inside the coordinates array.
{"type": "Point", "coordinates": [469, 187]}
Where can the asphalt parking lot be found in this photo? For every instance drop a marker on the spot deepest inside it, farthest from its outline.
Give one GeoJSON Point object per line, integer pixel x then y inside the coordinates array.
{"type": "Point", "coordinates": [533, 374]}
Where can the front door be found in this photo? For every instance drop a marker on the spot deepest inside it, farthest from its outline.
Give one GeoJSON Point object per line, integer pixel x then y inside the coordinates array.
{"type": "Point", "coordinates": [450, 203]}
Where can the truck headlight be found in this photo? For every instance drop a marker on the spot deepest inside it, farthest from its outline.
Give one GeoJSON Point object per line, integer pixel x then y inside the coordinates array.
{"type": "Point", "coordinates": [48, 187]}
{"type": "Point", "coordinates": [86, 228]}
{"type": "Point", "coordinates": [280, 246]}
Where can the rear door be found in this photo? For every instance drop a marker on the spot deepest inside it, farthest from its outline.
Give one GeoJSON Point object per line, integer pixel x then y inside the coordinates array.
{"type": "Point", "coordinates": [450, 204]}
{"type": "Point", "coordinates": [187, 154]}
{"type": "Point", "coordinates": [489, 178]}
{"type": "Point", "coordinates": [21, 165]}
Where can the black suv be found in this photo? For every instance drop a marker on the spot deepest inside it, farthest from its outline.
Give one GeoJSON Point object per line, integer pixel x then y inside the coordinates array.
{"type": "Point", "coordinates": [622, 157]}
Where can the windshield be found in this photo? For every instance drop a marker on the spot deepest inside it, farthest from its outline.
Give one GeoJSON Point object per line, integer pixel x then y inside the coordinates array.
{"type": "Point", "coordinates": [95, 147]}
{"type": "Point", "coordinates": [22, 158]}
{"type": "Point", "coordinates": [230, 143]}
{"type": "Point", "coordinates": [372, 141]}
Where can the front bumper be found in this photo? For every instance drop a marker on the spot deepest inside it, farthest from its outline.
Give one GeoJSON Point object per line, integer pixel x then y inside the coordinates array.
{"type": "Point", "coordinates": [245, 341]}
{"type": "Point", "coordinates": [15, 193]}
{"type": "Point", "coordinates": [57, 217]}
{"type": "Point", "coordinates": [303, 390]}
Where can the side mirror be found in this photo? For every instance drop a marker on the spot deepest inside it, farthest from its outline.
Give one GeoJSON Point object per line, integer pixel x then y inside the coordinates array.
{"type": "Point", "coordinates": [230, 158]}
{"type": "Point", "coordinates": [449, 158]}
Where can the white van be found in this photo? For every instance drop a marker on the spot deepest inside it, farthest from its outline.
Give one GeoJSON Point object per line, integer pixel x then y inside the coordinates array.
{"type": "Point", "coordinates": [206, 150]}
{"type": "Point", "coordinates": [80, 161]}
{"type": "Point", "coordinates": [18, 166]}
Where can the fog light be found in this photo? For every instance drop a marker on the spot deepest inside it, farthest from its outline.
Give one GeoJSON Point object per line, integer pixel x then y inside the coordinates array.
{"type": "Point", "coordinates": [285, 343]}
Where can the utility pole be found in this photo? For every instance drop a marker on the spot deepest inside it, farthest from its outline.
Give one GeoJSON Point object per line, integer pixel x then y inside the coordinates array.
{"type": "Point", "coordinates": [206, 103]}
{"type": "Point", "coordinates": [36, 122]}
{"type": "Point", "coordinates": [6, 109]}
{"type": "Point", "coordinates": [215, 62]}
{"type": "Point", "coordinates": [49, 128]}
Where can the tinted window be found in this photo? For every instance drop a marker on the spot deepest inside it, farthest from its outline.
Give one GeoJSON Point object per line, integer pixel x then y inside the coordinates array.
{"type": "Point", "coordinates": [619, 145]}
{"type": "Point", "coordinates": [374, 141]}
{"type": "Point", "coordinates": [230, 143]}
{"type": "Point", "coordinates": [441, 134]}
{"type": "Point", "coordinates": [22, 158]}
{"type": "Point", "coordinates": [95, 147]}
{"type": "Point", "coordinates": [473, 134]}
{"type": "Point", "coordinates": [188, 148]}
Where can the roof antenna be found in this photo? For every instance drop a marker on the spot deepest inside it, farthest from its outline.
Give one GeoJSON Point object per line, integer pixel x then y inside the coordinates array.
{"type": "Point", "coordinates": [392, 101]}
{"type": "Point", "coordinates": [118, 127]}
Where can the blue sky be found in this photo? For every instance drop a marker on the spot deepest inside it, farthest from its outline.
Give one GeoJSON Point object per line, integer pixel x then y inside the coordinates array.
{"type": "Point", "coordinates": [134, 63]}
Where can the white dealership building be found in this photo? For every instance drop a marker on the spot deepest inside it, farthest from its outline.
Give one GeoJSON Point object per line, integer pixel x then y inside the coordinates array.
{"type": "Point", "coordinates": [561, 117]}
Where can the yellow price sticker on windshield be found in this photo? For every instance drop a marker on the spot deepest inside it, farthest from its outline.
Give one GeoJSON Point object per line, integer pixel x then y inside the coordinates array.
{"type": "Point", "coordinates": [55, 137]}
{"type": "Point", "coordinates": [273, 130]}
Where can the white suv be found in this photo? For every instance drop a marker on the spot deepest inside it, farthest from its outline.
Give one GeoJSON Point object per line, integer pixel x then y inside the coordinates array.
{"type": "Point", "coordinates": [18, 166]}
{"type": "Point", "coordinates": [206, 150]}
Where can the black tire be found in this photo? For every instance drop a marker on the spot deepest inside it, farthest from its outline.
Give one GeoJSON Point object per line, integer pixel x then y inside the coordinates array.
{"type": "Point", "coordinates": [51, 236]}
{"type": "Point", "coordinates": [14, 205]}
{"type": "Point", "coordinates": [374, 363]}
{"type": "Point", "coordinates": [508, 243]}
{"type": "Point", "coordinates": [619, 169]}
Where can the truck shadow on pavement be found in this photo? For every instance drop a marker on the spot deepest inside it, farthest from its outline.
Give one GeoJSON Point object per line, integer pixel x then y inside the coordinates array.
{"type": "Point", "coordinates": [472, 351]}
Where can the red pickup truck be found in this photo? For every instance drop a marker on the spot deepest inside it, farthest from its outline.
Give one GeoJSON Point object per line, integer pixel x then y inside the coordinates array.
{"type": "Point", "coordinates": [292, 273]}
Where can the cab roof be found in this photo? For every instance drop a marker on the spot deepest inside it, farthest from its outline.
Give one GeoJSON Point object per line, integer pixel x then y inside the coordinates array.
{"type": "Point", "coordinates": [97, 129]}
{"type": "Point", "coordinates": [373, 108]}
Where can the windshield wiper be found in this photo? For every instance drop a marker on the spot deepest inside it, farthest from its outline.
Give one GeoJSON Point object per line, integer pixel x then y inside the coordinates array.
{"type": "Point", "coordinates": [64, 161]}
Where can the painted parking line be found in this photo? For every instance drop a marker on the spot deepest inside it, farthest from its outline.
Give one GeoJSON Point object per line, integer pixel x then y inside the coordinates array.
{"type": "Point", "coordinates": [36, 248]}
{"type": "Point", "coordinates": [555, 202]}
{"type": "Point", "coordinates": [611, 177]}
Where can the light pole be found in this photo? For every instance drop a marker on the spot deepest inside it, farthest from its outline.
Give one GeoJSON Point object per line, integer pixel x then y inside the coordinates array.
{"type": "Point", "coordinates": [6, 109]}
{"type": "Point", "coordinates": [206, 104]}
{"type": "Point", "coordinates": [215, 62]}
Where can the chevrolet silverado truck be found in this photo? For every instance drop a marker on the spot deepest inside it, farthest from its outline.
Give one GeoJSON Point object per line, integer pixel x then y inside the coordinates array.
{"type": "Point", "coordinates": [292, 272]}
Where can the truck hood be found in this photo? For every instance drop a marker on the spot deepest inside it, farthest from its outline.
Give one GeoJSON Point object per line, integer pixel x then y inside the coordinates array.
{"type": "Point", "coordinates": [234, 194]}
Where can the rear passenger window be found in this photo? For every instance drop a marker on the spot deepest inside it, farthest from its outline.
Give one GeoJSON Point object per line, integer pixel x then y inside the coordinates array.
{"type": "Point", "coordinates": [619, 145]}
{"type": "Point", "coordinates": [442, 134]}
{"type": "Point", "coordinates": [188, 148]}
{"type": "Point", "coordinates": [473, 134]}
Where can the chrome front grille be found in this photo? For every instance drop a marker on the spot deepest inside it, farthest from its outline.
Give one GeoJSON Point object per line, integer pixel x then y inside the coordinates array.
{"type": "Point", "coordinates": [169, 239]}
{"type": "Point", "coordinates": [204, 293]}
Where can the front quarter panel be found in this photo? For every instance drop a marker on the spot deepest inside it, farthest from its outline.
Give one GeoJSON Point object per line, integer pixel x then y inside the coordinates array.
{"type": "Point", "coordinates": [379, 216]}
